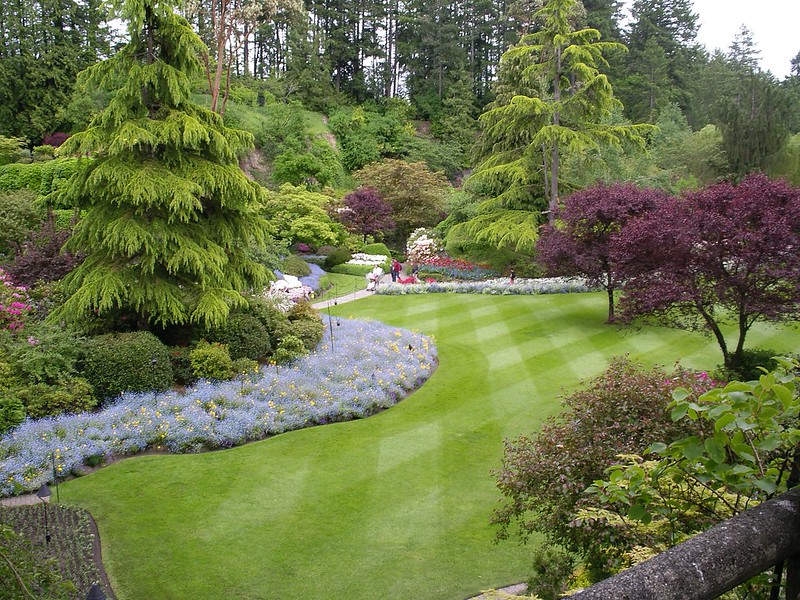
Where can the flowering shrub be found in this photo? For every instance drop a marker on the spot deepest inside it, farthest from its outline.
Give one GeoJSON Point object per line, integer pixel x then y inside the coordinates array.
{"type": "Point", "coordinates": [359, 258]}
{"type": "Point", "coordinates": [547, 285]}
{"type": "Point", "coordinates": [14, 303]}
{"type": "Point", "coordinates": [422, 246]}
{"type": "Point", "coordinates": [455, 268]}
{"type": "Point", "coordinates": [370, 366]}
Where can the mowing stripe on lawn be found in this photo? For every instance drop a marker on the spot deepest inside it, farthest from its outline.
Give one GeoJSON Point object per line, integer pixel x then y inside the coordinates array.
{"type": "Point", "coordinates": [395, 506]}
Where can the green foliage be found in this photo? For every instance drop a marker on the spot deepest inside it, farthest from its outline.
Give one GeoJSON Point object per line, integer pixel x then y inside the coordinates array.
{"type": "Point", "coordinates": [244, 335]}
{"type": "Point", "coordinates": [245, 367]}
{"type": "Point", "coordinates": [745, 442]}
{"type": "Point", "coordinates": [73, 395]}
{"type": "Point", "coordinates": [294, 265]}
{"type": "Point", "coordinates": [290, 348]}
{"type": "Point", "coordinates": [377, 248]}
{"type": "Point", "coordinates": [544, 475]}
{"type": "Point", "coordinates": [11, 149]}
{"type": "Point", "coordinates": [269, 316]}
{"type": "Point", "coordinates": [12, 412]}
{"type": "Point", "coordinates": [345, 269]}
{"type": "Point", "coordinates": [299, 215]}
{"type": "Point", "coordinates": [366, 136]}
{"type": "Point", "coordinates": [752, 364]}
{"type": "Point", "coordinates": [552, 570]}
{"type": "Point", "coordinates": [19, 215]}
{"type": "Point", "coordinates": [25, 571]}
{"type": "Point", "coordinates": [339, 256]}
{"type": "Point", "coordinates": [169, 214]}
{"type": "Point", "coordinates": [417, 194]}
{"type": "Point", "coordinates": [182, 372]}
{"type": "Point", "coordinates": [211, 360]}
{"type": "Point", "coordinates": [119, 362]}
{"type": "Point", "coordinates": [553, 102]}
{"type": "Point", "coordinates": [45, 354]}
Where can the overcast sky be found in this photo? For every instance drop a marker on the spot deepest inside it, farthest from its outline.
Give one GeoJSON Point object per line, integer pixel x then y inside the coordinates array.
{"type": "Point", "coordinates": [773, 23]}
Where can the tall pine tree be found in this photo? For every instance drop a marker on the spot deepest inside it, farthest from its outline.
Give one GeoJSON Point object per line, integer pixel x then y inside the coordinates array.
{"type": "Point", "coordinates": [554, 100]}
{"type": "Point", "coordinates": [169, 213]}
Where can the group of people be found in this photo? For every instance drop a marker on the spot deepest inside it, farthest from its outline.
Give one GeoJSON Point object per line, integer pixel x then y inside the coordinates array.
{"type": "Point", "coordinates": [374, 276]}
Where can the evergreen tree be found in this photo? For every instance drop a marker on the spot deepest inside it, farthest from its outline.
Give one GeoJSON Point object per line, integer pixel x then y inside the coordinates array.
{"type": "Point", "coordinates": [554, 101]}
{"type": "Point", "coordinates": [169, 215]}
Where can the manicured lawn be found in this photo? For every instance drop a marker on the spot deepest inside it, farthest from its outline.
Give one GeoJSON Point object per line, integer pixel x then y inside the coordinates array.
{"type": "Point", "coordinates": [341, 285]}
{"type": "Point", "coordinates": [391, 507]}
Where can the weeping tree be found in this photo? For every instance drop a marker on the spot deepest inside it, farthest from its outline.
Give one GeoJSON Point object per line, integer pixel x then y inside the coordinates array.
{"type": "Point", "coordinates": [169, 215]}
{"type": "Point", "coordinates": [552, 100]}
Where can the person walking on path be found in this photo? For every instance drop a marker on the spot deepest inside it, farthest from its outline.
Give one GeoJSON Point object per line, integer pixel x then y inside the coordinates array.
{"type": "Point", "coordinates": [395, 270]}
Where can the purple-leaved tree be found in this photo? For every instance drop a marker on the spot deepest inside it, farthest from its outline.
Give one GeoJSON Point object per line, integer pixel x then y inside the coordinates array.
{"type": "Point", "coordinates": [366, 213]}
{"type": "Point", "coordinates": [725, 254]}
{"type": "Point", "coordinates": [579, 241]}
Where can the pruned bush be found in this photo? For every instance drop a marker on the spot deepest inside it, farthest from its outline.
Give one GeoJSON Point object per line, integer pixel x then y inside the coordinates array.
{"type": "Point", "coordinates": [244, 335]}
{"type": "Point", "coordinates": [376, 249]}
{"type": "Point", "coordinates": [358, 270]}
{"type": "Point", "coordinates": [42, 400]}
{"type": "Point", "coordinates": [269, 316]}
{"type": "Point", "coordinates": [135, 361]}
{"type": "Point", "coordinates": [309, 332]}
{"type": "Point", "coordinates": [294, 265]}
{"type": "Point", "coordinates": [211, 360]}
{"type": "Point", "coordinates": [327, 250]}
{"type": "Point", "coordinates": [290, 348]}
{"type": "Point", "coordinates": [337, 257]}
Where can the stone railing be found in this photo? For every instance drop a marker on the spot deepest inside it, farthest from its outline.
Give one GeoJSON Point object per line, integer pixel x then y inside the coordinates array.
{"type": "Point", "coordinates": [715, 561]}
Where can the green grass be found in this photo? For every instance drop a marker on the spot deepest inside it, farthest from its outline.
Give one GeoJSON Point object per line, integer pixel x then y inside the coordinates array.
{"type": "Point", "coordinates": [396, 506]}
{"type": "Point", "coordinates": [337, 285]}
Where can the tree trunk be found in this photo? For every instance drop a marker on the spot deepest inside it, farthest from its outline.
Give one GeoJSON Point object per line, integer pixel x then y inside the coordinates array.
{"type": "Point", "coordinates": [553, 203]}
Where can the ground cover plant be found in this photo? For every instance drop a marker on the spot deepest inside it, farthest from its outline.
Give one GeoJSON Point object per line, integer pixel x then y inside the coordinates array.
{"type": "Point", "coordinates": [367, 366]}
{"type": "Point", "coordinates": [393, 506]}
{"type": "Point", "coordinates": [495, 287]}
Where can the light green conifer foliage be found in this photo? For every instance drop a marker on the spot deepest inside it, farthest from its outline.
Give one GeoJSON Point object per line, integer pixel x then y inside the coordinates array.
{"type": "Point", "coordinates": [169, 213]}
{"type": "Point", "coordinates": [552, 100]}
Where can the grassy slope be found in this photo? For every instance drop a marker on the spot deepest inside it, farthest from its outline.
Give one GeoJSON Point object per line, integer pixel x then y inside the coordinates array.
{"type": "Point", "coordinates": [395, 506]}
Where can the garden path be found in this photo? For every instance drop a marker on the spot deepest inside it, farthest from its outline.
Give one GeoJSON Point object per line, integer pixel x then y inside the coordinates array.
{"type": "Point", "coordinates": [363, 293]}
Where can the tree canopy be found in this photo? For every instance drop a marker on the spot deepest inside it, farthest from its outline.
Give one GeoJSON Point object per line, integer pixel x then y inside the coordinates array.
{"type": "Point", "coordinates": [724, 254]}
{"type": "Point", "coordinates": [169, 213]}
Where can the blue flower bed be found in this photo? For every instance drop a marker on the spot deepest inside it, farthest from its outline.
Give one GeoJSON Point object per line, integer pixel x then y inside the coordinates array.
{"type": "Point", "coordinates": [312, 280]}
{"type": "Point", "coordinates": [370, 366]}
{"type": "Point", "coordinates": [549, 285]}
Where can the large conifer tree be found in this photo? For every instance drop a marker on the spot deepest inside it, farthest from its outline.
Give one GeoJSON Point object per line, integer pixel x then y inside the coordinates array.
{"type": "Point", "coordinates": [169, 213]}
{"type": "Point", "coordinates": [552, 101]}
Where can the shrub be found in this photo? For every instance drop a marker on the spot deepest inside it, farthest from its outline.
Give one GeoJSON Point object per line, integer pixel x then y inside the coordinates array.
{"type": "Point", "coordinates": [327, 250]}
{"type": "Point", "coordinates": [182, 372]}
{"type": "Point", "coordinates": [376, 249]}
{"type": "Point", "coordinates": [12, 412]}
{"type": "Point", "coordinates": [244, 335]}
{"type": "Point", "coordinates": [544, 476]}
{"type": "Point", "coordinates": [290, 348]}
{"type": "Point", "coordinates": [41, 258]}
{"type": "Point", "coordinates": [211, 360]}
{"type": "Point", "coordinates": [552, 570]}
{"type": "Point", "coordinates": [244, 367]}
{"type": "Point", "coordinates": [748, 369]}
{"type": "Point", "coordinates": [42, 400]}
{"type": "Point", "coordinates": [270, 317]}
{"type": "Point", "coordinates": [337, 257]}
{"type": "Point", "coordinates": [294, 265]}
{"type": "Point", "coordinates": [19, 215]}
{"type": "Point", "coordinates": [309, 332]}
{"type": "Point", "coordinates": [134, 361]}
{"type": "Point", "coordinates": [46, 354]}
{"type": "Point", "coordinates": [359, 270]}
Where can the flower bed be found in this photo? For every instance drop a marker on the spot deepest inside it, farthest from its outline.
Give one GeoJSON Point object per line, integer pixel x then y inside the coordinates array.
{"type": "Point", "coordinates": [455, 268]}
{"type": "Point", "coordinates": [370, 366]}
{"type": "Point", "coordinates": [549, 285]}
